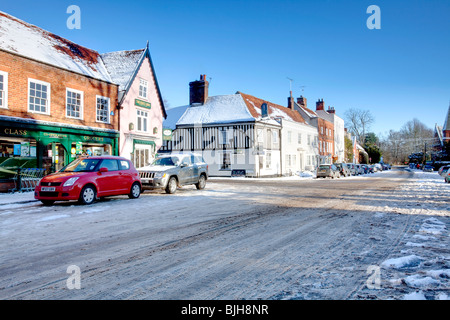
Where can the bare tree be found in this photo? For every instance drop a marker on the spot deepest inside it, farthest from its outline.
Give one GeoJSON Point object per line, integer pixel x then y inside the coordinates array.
{"type": "Point", "coordinates": [358, 122]}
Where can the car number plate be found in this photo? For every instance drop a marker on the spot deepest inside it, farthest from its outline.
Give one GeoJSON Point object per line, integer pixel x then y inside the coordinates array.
{"type": "Point", "coordinates": [48, 188]}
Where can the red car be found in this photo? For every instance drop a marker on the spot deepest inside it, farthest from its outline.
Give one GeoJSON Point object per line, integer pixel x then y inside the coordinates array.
{"type": "Point", "coordinates": [88, 178]}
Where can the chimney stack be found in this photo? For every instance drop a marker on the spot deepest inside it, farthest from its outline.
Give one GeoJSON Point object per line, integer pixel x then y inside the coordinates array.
{"type": "Point", "coordinates": [331, 110]}
{"type": "Point", "coordinates": [198, 90]}
{"type": "Point", "coordinates": [302, 101]}
{"type": "Point", "coordinates": [291, 102]}
{"type": "Point", "coordinates": [319, 105]}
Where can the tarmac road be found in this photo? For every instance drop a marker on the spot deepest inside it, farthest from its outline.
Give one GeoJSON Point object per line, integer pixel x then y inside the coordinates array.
{"type": "Point", "coordinates": [237, 239]}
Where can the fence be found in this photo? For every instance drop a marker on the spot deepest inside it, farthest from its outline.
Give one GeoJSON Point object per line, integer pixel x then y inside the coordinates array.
{"type": "Point", "coordinates": [27, 179]}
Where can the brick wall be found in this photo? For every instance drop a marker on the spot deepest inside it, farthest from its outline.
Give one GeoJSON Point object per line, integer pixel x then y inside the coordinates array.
{"type": "Point", "coordinates": [20, 69]}
{"type": "Point", "coordinates": [324, 137]}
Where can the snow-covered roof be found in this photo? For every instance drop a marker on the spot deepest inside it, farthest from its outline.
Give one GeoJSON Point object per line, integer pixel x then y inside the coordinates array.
{"type": "Point", "coordinates": [22, 38]}
{"type": "Point", "coordinates": [121, 65]}
{"type": "Point", "coordinates": [217, 110]}
{"type": "Point", "coordinates": [275, 111]}
{"type": "Point", "coordinates": [173, 115]}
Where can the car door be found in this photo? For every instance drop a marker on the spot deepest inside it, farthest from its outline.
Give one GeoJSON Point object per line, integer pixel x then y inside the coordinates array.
{"type": "Point", "coordinates": [126, 175]}
{"type": "Point", "coordinates": [109, 183]}
{"type": "Point", "coordinates": [195, 168]}
{"type": "Point", "coordinates": [185, 170]}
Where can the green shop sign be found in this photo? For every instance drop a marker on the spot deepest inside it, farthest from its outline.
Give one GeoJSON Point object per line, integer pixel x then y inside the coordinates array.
{"type": "Point", "coordinates": [143, 104]}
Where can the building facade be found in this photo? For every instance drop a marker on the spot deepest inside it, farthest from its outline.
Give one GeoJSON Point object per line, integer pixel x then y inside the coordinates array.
{"type": "Point", "coordinates": [141, 105]}
{"type": "Point", "coordinates": [56, 98]}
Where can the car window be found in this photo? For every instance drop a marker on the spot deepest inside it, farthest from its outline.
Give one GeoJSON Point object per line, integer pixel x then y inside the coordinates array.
{"type": "Point", "coordinates": [81, 165]}
{"type": "Point", "coordinates": [186, 160]}
{"type": "Point", "coordinates": [110, 164]}
{"type": "Point", "coordinates": [124, 165]}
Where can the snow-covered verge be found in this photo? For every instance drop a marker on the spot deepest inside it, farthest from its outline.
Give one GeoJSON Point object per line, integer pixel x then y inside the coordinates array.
{"type": "Point", "coordinates": [421, 266]}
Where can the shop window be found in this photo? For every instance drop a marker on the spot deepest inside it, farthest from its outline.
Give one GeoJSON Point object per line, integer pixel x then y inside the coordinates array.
{"type": "Point", "coordinates": [74, 103]}
{"type": "Point", "coordinates": [38, 96]}
{"type": "Point", "coordinates": [102, 109]}
{"type": "Point", "coordinates": [143, 88]}
{"type": "Point", "coordinates": [141, 157]}
{"type": "Point", "coordinates": [142, 120]}
{"type": "Point", "coordinates": [3, 89]}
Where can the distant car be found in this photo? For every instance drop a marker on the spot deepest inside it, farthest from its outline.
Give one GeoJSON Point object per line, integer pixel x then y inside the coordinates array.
{"type": "Point", "coordinates": [359, 169]}
{"type": "Point", "coordinates": [351, 168]}
{"type": "Point", "coordinates": [378, 166]}
{"type": "Point", "coordinates": [343, 169]}
{"type": "Point", "coordinates": [428, 168]}
{"type": "Point", "coordinates": [443, 170]}
{"type": "Point", "coordinates": [447, 177]}
{"type": "Point", "coordinates": [371, 168]}
{"type": "Point", "coordinates": [88, 178]}
{"type": "Point", "coordinates": [386, 166]}
{"type": "Point", "coordinates": [365, 168]}
{"type": "Point", "coordinates": [328, 171]}
{"type": "Point", "coordinates": [169, 172]}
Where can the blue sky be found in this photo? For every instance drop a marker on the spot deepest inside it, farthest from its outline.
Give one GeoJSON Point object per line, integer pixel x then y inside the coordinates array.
{"type": "Point", "coordinates": [399, 72]}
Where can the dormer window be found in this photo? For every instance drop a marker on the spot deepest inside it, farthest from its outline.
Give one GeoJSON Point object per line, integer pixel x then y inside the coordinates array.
{"type": "Point", "coordinates": [143, 88]}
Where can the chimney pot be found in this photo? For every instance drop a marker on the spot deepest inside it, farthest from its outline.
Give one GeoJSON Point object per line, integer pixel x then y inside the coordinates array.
{"type": "Point", "coordinates": [198, 90]}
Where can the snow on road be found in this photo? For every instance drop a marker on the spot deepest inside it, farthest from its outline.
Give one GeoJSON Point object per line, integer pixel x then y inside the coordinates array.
{"type": "Point", "coordinates": [268, 242]}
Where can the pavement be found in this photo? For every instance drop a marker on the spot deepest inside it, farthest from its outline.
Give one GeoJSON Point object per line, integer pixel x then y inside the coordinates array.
{"type": "Point", "coordinates": [16, 198]}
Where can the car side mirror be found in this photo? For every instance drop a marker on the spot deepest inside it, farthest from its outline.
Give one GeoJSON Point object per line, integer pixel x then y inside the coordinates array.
{"type": "Point", "coordinates": [183, 165]}
{"type": "Point", "coordinates": [103, 169]}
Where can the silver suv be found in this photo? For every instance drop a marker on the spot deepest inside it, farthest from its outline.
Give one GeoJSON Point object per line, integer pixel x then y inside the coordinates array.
{"type": "Point", "coordinates": [169, 172]}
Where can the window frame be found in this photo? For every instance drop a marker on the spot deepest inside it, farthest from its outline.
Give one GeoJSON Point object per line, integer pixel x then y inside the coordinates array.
{"type": "Point", "coordinates": [96, 109]}
{"type": "Point", "coordinates": [147, 117]}
{"type": "Point", "coordinates": [145, 86]}
{"type": "Point", "coordinates": [49, 88]}
{"type": "Point", "coordinates": [4, 104]}
{"type": "Point", "coordinates": [81, 117]}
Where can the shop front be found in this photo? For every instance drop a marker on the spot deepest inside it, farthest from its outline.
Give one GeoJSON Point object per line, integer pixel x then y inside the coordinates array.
{"type": "Point", "coordinates": [51, 146]}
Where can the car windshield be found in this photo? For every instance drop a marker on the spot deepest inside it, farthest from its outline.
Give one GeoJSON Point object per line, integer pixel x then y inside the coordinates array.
{"type": "Point", "coordinates": [81, 165]}
{"type": "Point", "coordinates": [324, 167]}
{"type": "Point", "coordinates": [166, 161]}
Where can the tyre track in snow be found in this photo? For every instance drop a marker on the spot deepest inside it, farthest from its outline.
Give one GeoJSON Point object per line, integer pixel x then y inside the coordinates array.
{"type": "Point", "coordinates": [223, 246]}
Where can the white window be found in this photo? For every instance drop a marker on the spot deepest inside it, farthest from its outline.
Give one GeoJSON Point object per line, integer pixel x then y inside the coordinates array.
{"type": "Point", "coordinates": [74, 103]}
{"type": "Point", "coordinates": [143, 88]}
{"type": "Point", "coordinates": [275, 136]}
{"type": "Point", "coordinates": [268, 160]}
{"type": "Point", "coordinates": [102, 109]}
{"type": "Point", "coordinates": [3, 89]}
{"type": "Point", "coordinates": [142, 120]}
{"type": "Point", "coordinates": [309, 140]}
{"type": "Point", "coordinates": [38, 96]}
{"type": "Point", "coordinates": [289, 137]}
{"type": "Point", "coordinates": [299, 138]}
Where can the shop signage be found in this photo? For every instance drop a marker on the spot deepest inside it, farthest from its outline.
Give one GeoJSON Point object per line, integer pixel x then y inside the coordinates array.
{"type": "Point", "coordinates": [143, 104]}
{"type": "Point", "coordinates": [93, 138]}
{"type": "Point", "coordinates": [54, 135]}
{"type": "Point", "coordinates": [15, 132]}
{"type": "Point", "coordinates": [167, 134]}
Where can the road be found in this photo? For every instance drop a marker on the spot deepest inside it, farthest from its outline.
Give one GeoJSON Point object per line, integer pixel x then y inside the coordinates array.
{"type": "Point", "coordinates": [237, 239]}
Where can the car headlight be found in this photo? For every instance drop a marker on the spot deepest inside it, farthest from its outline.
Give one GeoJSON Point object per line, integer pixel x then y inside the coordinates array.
{"type": "Point", "coordinates": [70, 181]}
{"type": "Point", "coordinates": [160, 175]}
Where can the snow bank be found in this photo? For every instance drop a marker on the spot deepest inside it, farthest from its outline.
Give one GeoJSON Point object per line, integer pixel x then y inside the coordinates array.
{"type": "Point", "coordinates": [402, 262]}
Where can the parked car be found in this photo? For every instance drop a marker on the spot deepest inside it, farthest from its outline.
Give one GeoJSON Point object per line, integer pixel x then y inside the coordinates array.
{"type": "Point", "coordinates": [169, 172]}
{"type": "Point", "coordinates": [447, 177]}
{"type": "Point", "coordinates": [428, 168]}
{"type": "Point", "coordinates": [351, 168]}
{"type": "Point", "coordinates": [386, 166]}
{"type": "Point", "coordinates": [371, 168]}
{"type": "Point", "coordinates": [358, 169]}
{"type": "Point", "coordinates": [328, 171]}
{"type": "Point", "coordinates": [443, 170]}
{"type": "Point", "coordinates": [343, 169]}
{"type": "Point", "coordinates": [378, 166]}
{"type": "Point", "coordinates": [88, 178]}
{"type": "Point", "coordinates": [365, 168]}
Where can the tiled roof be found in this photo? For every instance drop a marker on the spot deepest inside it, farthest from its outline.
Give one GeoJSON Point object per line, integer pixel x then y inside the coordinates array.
{"type": "Point", "coordinates": [121, 65]}
{"type": "Point", "coordinates": [22, 38]}
{"type": "Point", "coordinates": [275, 110]}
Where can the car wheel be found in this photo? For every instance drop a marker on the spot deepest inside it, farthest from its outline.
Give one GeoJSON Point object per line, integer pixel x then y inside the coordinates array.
{"type": "Point", "coordinates": [47, 202]}
{"type": "Point", "coordinates": [87, 195]}
{"type": "Point", "coordinates": [171, 187]}
{"type": "Point", "coordinates": [135, 191]}
{"type": "Point", "coordinates": [201, 184]}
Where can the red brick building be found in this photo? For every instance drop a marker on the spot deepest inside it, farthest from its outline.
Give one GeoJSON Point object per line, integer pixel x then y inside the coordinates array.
{"type": "Point", "coordinates": [57, 99]}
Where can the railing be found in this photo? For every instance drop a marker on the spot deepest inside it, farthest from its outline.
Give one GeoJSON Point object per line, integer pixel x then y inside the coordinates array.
{"type": "Point", "coordinates": [27, 179]}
